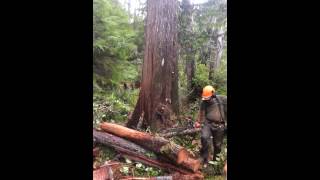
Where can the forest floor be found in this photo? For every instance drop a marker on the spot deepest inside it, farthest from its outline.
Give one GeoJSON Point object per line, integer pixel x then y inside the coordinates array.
{"type": "Point", "coordinates": [131, 168]}
{"type": "Point", "coordinates": [137, 169]}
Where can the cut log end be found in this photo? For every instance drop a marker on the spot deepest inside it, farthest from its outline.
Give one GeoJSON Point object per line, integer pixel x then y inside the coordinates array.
{"type": "Point", "coordinates": [100, 174]}
{"type": "Point", "coordinates": [192, 164]}
{"type": "Point", "coordinates": [182, 156]}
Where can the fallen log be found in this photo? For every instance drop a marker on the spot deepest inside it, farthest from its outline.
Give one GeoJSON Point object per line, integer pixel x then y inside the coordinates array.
{"type": "Point", "coordinates": [152, 162]}
{"type": "Point", "coordinates": [159, 145]}
{"type": "Point", "coordinates": [116, 142]}
{"type": "Point", "coordinates": [110, 171]}
{"type": "Point", "coordinates": [133, 151]}
{"type": "Point", "coordinates": [184, 132]}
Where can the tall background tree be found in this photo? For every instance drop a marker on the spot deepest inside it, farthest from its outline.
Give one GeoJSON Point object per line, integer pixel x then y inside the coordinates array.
{"type": "Point", "coordinates": [211, 34]}
{"type": "Point", "coordinates": [203, 53]}
{"type": "Point", "coordinates": [186, 39]}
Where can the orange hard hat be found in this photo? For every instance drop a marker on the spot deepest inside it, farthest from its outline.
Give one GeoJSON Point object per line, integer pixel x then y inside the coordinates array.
{"type": "Point", "coordinates": [207, 92]}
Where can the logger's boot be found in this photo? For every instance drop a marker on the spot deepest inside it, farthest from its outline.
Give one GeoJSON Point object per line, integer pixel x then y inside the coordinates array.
{"type": "Point", "coordinates": [205, 165]}
{"type": "Point", "coordinates": [204, 162]}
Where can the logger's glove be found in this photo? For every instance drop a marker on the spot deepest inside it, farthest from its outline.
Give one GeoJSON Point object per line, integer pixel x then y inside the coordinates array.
{"type": "Point", "coordinates": [197, 124]}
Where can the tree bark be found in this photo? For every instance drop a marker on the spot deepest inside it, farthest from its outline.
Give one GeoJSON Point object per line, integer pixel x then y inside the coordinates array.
{"type": "Point", "coordinates": [158, 145]}
{"type": "Point", "coordinates": [159, 87]}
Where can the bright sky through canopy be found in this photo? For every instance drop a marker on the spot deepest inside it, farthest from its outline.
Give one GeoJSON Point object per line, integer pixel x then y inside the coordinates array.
{"type": "Point", "coordinates": [135, 3]}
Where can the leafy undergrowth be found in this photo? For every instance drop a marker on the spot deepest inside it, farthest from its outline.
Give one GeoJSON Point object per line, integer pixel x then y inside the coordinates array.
{"type": "Point", "coordinates": [129, 168]}
{"type": "Point", "coordinates": [113, 106]}
{"type": "Point", "coordinates": [139, 169]}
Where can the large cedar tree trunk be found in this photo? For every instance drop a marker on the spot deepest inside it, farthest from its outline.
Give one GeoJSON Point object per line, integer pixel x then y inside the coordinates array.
{"type": "Point", "coordinates": [158, 97]}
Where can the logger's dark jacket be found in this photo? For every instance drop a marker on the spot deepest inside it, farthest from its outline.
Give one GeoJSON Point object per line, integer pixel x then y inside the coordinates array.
{"type": "Point", "coordinates": [213, 116]}
{"type": "Point", "coordinates": [211, 111]}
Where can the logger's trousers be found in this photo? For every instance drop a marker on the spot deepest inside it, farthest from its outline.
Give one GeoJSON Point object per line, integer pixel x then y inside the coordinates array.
{"type": "Point", "coordinates": [216, 131]}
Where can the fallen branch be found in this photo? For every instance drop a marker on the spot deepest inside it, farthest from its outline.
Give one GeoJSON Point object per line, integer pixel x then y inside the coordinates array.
{"type": "Point", "coordinates": [184, 132]}
{"type": "Point", "coordinates": [175, 176]}
{"type": "Point", "coordinates": [174, 129]}
{"type": "Point", "coordinates": [152, 162]}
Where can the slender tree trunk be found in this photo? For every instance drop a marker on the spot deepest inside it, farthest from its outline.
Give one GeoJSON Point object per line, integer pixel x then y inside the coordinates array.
{"type": "Point", "coordinates": [219, 49]}
{"type": "Point", "coordinates": [215, 60]}
{"type": "Point", "coordinates": [135, 19]}
{"type": "Point", "coordinates": [129, 9]}
{"type": "Point", "coordinates": [190, 69]}
{"type": "Point", "coordinates": [158, 97]}
{"type": "Point", "coordinates": [187, 41]}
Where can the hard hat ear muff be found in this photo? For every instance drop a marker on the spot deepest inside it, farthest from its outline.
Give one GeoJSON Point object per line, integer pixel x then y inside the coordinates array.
{"type": "Point", "coordinates": [213, 93]}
